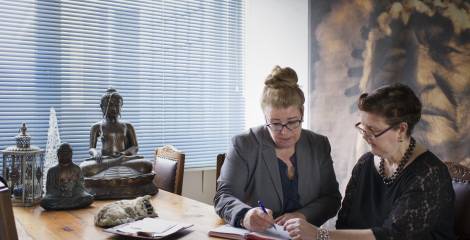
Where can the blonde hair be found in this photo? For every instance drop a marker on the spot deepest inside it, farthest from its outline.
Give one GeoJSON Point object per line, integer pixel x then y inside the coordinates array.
{"type": "Point", "coordinates": [281, 90]}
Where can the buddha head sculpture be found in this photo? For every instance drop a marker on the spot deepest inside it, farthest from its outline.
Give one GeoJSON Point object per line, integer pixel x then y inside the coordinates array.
{"type": "Point", "coordinates": [111, 103]}
{"type": "Point", "coordinates": [64, 154]}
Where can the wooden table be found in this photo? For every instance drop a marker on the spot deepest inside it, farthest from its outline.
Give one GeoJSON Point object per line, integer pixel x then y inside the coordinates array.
{"type": "Point", "coordinates": [36, 223]}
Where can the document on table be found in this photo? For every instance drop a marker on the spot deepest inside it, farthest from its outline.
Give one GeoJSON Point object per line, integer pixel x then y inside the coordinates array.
{"type": "Point", "coordinates": [230, 232]}
{"type": "Point", "coordinates": [150, 228]}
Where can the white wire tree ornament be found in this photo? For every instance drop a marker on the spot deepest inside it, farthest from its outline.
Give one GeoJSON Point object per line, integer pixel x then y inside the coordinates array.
{"type": "Point", "coordinates": [53, 143]}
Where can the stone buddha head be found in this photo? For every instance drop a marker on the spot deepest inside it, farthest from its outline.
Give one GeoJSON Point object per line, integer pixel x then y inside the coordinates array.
{"type": "Point", "coordinates": [111, 103]}
{"type": "Point", "coordinates": [64, 154]}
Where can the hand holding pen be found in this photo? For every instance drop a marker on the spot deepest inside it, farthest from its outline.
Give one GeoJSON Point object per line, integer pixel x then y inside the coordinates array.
{"type": "Point", "coordinates": [258, 219]}
{"type": "Point", "coordinates": [261, 205]}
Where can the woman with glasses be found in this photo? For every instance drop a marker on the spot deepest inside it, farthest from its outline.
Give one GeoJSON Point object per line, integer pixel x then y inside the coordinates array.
{"type": "Point", "coordinates": [278, 171]}
{"type": "Point", "coordinates": [398, 190]}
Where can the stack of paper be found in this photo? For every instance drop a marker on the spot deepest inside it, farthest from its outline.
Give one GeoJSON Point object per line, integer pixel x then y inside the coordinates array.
{"type": "Point", "coordinates": [151, 228]}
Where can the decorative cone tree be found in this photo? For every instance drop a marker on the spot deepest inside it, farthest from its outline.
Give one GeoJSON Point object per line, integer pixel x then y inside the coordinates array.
{"type": "Point", "coordinates": [53, 143]}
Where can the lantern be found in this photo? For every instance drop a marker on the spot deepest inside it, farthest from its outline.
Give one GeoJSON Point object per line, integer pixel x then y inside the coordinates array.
{"type": "Point", "coordinates": [23, 167]}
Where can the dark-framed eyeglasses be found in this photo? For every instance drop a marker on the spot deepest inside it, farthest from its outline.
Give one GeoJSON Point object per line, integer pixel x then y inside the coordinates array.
{"type": "Point", "coordinates": [291, 125]}
{"type": "Point", "coordinates": [370, 134]}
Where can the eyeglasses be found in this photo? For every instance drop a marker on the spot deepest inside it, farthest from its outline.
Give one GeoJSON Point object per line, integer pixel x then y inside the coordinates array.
{"type": "Point", "coordinates": [291, 125]}
{"type": "Point", "coordinates": [369, 134]}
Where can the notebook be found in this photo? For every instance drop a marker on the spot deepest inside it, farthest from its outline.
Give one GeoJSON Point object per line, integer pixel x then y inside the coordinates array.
{"type": "Point", "coordinates": [149, 228]}
{"type": "Point", "coordinates": [229, 232]}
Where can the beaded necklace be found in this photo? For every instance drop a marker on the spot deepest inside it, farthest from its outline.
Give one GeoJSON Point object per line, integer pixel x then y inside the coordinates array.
{"type": "Point", "coordinates": [401, 165]}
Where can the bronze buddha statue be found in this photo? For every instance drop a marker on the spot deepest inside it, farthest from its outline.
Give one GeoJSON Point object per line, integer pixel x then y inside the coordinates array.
{"type": "Point", "coordinates": [64, 184]}
{"type": "Point", "coordinates": [113, 171]}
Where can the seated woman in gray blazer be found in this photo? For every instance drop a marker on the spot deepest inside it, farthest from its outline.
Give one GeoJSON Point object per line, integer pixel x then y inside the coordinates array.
{"type": "Point", "coordinates": [287, 168]}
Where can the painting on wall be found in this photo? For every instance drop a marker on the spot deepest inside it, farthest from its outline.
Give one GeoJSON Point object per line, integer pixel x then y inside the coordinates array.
{"type": "Point", "coordinates": [359, 45]}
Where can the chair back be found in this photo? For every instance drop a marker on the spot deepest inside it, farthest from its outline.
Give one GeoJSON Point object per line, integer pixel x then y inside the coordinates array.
{"type": "Point", "coordinates": [169, 169]}
{"type": "Point", "coordinates": [7, 221]}
{"type": "Point", "coordinates": [461, 183]}
{"type": "Point", "coordinates": [220, 162]}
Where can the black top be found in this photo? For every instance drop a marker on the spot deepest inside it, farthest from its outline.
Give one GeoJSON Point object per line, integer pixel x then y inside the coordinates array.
{"type": "Point", "coordinates": [290, 188]}
{"type": "Point", "coordinates": [419, 204]}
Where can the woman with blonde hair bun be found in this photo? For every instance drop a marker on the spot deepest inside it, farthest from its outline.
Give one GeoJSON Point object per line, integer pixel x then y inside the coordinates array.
{"type": "Point", "coordinates": [287, 168]}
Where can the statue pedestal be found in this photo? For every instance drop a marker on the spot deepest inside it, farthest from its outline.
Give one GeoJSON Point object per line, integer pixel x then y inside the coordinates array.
{"type": "Point", "coordinates": [124, 184]}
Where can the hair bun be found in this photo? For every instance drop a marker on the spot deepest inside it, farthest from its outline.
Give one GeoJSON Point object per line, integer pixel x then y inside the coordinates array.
{"type": "Point", "coordinates": [281, 77]}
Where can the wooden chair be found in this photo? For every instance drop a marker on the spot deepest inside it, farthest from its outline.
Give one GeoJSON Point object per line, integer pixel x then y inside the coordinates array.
{"type": "Point", "coordinates": [461, 183]}
{"type": "Point", "coordinates": [169, 169]}
{"type": "Point", "coordinates": [7, 220]}
{"type": "Point", "coordinates": [220, 162]}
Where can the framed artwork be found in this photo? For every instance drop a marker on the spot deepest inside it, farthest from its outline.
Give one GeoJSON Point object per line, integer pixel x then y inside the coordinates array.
{"type": "Point", "coordinates": [359, 45]}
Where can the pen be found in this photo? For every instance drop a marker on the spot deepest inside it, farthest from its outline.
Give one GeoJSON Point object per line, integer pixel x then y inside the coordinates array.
{"type": "Point", "coordinates": [261, 205]}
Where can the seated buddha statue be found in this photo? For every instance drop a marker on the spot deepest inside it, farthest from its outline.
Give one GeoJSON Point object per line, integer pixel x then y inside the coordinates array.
{"type": "Point", "coordinates": [64, 184]}
{"type": "Point", "coordinates": [118, 157]}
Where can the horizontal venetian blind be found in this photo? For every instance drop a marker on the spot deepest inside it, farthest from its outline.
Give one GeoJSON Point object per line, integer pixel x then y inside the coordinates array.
{"type": "Point", "coordinates": [177, 64]}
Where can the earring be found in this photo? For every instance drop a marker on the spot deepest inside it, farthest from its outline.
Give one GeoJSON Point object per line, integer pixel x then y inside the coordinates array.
{"type": "Point", "coordinates": [400, 139]}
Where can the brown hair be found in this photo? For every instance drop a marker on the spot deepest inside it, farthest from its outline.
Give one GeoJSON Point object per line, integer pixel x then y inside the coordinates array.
{"type": "Point", "coordinates": [396, 103]}
{"type": "Point", "coordinates": [281, 90]}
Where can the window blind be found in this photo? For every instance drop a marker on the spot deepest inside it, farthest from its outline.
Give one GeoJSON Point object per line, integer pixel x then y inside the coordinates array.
{"type": "Point", "coordinates": [177, 64]}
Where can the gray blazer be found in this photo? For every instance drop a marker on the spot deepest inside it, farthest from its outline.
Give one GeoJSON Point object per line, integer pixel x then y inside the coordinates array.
{"type": "Point", "coordinates": [251, 173]}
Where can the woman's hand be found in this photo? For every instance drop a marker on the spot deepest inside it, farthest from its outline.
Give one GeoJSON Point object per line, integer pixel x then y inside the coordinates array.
{"type": "Point", "coordinates": [299, 228]}
{"type": "Point", "coordinates": [258, 221]}
{"type": "Point", "coordinates": [284, 217]}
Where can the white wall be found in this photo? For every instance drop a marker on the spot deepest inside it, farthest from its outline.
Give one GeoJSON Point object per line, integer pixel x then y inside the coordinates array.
{"type": "Point", "coordinates": [276, 34]}
{"type": "Point", "coordinates": [199, 184]}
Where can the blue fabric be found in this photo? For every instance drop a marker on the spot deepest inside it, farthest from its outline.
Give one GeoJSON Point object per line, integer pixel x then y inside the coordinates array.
{"type": "Point", "coordinates": [290, 188]}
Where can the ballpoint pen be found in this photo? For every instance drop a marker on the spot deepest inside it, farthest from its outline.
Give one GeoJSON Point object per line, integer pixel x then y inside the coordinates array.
{"type": "Point", "coordinates": [261, 205]}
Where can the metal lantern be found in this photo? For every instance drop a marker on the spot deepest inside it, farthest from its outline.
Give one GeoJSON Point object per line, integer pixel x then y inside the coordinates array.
{"type": "Point", "coordinates": [23, 167]}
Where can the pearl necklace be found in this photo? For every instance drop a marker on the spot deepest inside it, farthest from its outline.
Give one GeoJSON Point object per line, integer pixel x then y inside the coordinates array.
{"type": "Point", "coordinates": [401, 165]}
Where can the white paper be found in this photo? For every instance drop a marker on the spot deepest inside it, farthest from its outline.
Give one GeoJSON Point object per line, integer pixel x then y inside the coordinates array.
{"type": "Point", "coordinates": [151, 225]}
{"type": "Point", "coordinates": [228, 229]}
{"type": "Point", "coordinates": [231, 232]}
{"type": "Point", "coordinates": [278, 232]}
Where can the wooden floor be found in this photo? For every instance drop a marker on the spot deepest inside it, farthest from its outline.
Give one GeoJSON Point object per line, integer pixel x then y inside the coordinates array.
{"type": "Point", "coordinates": [36, 223]}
